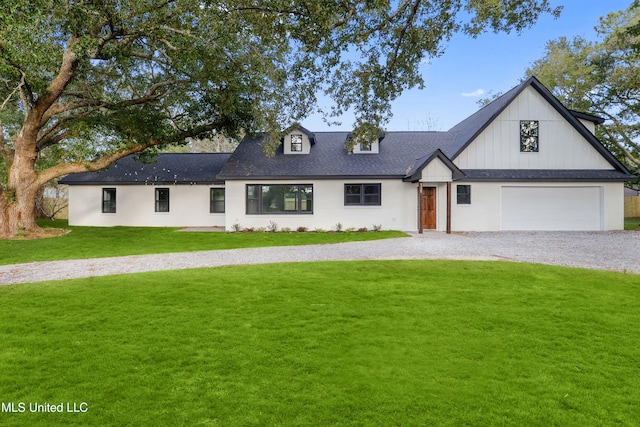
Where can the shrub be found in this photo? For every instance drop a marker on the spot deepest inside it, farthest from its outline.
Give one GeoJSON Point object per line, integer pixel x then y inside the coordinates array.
{"type": "Point", "coordinates": [236, 227]}
{"type": "Point", "coordinates": [363, 229]}
{"type": "Point", "coordinates": [339, 227]}
{"type": "Point", "coordinates": [273, 227]}
{"type": "Point", "coordinates": [285, 230]}
{"type": "Point", "coordinates": [377, 227]}
{"type": "Point", "coordinates": [320, 230]}
{"type": "Point", "coordinates": [301, 229]}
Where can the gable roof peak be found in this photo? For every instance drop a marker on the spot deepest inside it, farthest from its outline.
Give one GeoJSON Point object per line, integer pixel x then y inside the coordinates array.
{"type": "Point", "coordinates": [299, 127]}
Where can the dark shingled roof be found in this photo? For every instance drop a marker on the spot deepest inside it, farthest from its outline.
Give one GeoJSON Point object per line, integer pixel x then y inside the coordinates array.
{"type": "Point", "coordinates": [402, 155]}
{"type": "Point", "coordinates": [173, 168]}
{"type": "Point", "coordinates": [329, 159]}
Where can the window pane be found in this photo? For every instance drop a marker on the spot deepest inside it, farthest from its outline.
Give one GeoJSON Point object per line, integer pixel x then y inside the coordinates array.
{"type": "Point", "coordinates": [270, 200]}
{"type": "Point", "coordinates": [217, 200]}
{"type": "Point", "coordinates": [296, 142]}
{"type": "Point", "coordinates": [352, 189]}
{"type": "Point", "coordinates": [162, 200]}
{"type": "Point", "coordinates": [362, 194]}
{"type": "Point", "coordinates": [108, 200]}
{"type": "Point", "coordinates": [291, 201]}
{"type": "Point", "coordinates": [371, 199]}
{"type": "Point", "coordinates": [306, 198]}
{"type": "Point", "coordinates": [253, 204]}
{"type": "Point", "coordinates": [463, 194]}
{"type": "Point", "coordinates": [372, 194]}
{"type": "Point", "coordinates": [529, 135]}
{"type": "Point", "coordinates": [279, 199]}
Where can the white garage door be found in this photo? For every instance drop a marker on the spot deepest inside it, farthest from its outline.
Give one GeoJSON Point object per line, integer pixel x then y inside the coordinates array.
{"type": "Point", "coordinates": [552, 208]}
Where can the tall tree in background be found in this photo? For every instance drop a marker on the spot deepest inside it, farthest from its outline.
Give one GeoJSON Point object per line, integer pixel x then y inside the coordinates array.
{"type": "Point", "coordinates": [601, 77]}
{"type": "Point", "coordinates": [86, 82]}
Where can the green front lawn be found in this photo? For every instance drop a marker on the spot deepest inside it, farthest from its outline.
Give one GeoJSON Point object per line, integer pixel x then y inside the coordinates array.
{"type": "Point", "coordinates": [340, 343]}
{"type": "Point", "coordinates": [631, 223]}
{"type": "Point", "coordinates": [98, 242]}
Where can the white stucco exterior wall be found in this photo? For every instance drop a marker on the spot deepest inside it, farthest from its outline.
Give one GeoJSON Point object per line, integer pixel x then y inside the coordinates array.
{"type": "Point", "coordinates": [135, 206]}
{"type": "Point", "coordinates": [398, 210]}
{"type": "Point", "coordinates": [484, 212]}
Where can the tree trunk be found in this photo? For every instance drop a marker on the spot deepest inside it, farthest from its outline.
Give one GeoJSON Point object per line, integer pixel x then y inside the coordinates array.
{"type": "Point", "coordinates": [18, 201]}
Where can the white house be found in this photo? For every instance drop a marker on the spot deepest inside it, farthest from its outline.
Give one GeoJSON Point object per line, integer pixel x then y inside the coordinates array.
{"type": "Point", "coordinates": [523, 162]}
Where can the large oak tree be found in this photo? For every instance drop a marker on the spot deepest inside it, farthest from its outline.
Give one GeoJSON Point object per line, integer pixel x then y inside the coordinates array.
{"type": "Point", "coordinates": [86, 82]}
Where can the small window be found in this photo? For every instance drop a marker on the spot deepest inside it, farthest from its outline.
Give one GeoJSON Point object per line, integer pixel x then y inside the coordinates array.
{"type": "Point", "coordinates": [464, 194]}
{"type": "Point", "coordinates": [529, 136]}
{"type": "Point", "coordinates": [108, 200]}
{"type": "Point", "coordinates": [363, 194]}
{"type": "Point", "coordinates": [296, 142]}
{"type": "Point", "coordinates": [365, 146]}
{"type": "Point", "coordinates": [162, 200]}
{"type": "Point", "coordinates": [217, 200]}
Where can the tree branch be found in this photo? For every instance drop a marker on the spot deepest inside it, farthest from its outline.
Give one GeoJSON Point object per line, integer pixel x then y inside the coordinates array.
{"type": "Point", "coordinates": [69, 168]}
{"type": "Point", "coordinates": [620, 132]}
{"type": "Point", "coordinates": [56, 87]}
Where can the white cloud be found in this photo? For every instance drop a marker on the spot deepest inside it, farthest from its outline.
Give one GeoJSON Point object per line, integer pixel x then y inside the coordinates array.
{"type": "Point", "coordinates": [475, 93]}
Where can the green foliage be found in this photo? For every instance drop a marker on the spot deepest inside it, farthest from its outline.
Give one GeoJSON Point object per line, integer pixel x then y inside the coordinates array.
{"type": "Point", "coordinates": [146, 72]}
{"type": "Point", "coordinates": [601, 77]}
{"type": "Point", "coordinates": [374, 343]}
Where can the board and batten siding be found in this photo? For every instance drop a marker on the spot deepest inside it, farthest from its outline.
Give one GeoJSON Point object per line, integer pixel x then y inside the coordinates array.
{"type": "Point", "coordinates": [560, 145]}
{"type": "Point", "coordinates": [436, 171]}
{"type": "Point", "coordinates": [189, 205]}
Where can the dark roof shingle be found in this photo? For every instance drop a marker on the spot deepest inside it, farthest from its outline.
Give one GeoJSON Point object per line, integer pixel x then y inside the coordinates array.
{"type": "Point", "coordinates": [171, 168]}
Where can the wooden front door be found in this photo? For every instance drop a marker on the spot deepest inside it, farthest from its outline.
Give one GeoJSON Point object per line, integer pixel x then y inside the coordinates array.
{"type": "Point", "coordinates": [428, 208]}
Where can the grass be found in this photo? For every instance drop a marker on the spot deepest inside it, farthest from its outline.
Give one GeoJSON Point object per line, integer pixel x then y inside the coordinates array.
{"type": "Point", "coordinates": [99, 242]}
{"type": "Point", "coordinates": [340, 343]}
{"type": "Point", "coordinates": [632, 223]}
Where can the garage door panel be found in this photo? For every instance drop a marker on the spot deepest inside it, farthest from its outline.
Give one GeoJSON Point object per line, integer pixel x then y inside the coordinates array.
{"type": "Point", "coordinates": [551, 208]}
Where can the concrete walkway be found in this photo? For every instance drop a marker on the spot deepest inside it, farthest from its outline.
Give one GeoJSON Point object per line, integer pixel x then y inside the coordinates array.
{"type": "Point", "coordinates": [615, 251]}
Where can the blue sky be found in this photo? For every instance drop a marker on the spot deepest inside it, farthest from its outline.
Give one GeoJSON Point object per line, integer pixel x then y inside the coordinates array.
{"type": "Point", "coordinates": [471, 69]}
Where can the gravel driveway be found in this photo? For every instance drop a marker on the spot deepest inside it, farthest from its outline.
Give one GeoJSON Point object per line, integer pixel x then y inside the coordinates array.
{"type": "Point", "coordinates": [615, 250]}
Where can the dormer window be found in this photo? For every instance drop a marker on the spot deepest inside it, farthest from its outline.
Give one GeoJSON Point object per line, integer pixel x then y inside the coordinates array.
{"type": "Point", "coordinates": [365, 147]}
{"type": "Point", "coordinates": [296, 142]}
{"type": "Point", "coordinates": [529, 136]}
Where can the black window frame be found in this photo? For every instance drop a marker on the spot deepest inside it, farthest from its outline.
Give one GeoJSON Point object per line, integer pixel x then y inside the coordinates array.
{"type": "Point", "coordinates": [464, 197]}
{"type": "Point", "coordinates": [161, 202]}
{"type": "Point", "coordinates": [109, 204]}
{"type": "Point", "coordinates": [297, 144]}
{"type": "Point", "coordinates": [366, 147]}
{"type": "Point", "coordinates": [216, 205]}
{"type": "Point", "coordinates": [529, 132]}
{"type": "Point", "coordinates": [362, 197]}
{"type": "Point", "coordinates": [254, 199]}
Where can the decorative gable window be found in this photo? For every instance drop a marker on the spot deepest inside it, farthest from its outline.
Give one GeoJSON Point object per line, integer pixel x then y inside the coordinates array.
{"type": "Point", "coordinates": [296, 142]}
{"type": "Point", "coordinates": [529, 136]}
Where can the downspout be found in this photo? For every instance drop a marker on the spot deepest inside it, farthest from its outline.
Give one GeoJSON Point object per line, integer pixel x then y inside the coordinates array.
{"type": "Point", "coordinates": [420, 230]}
{"type": "Point", "coordinates": [449, 207]}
